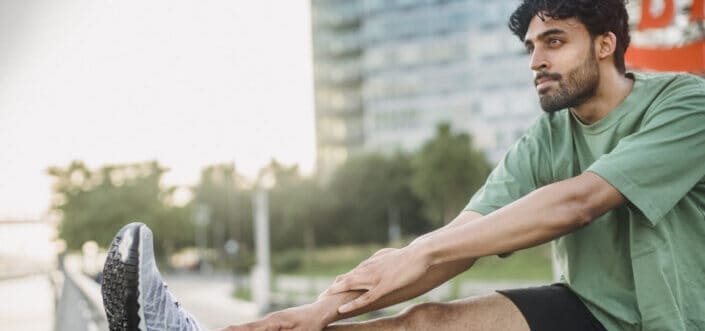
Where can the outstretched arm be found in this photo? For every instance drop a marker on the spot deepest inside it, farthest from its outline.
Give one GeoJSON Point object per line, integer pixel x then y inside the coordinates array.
{"type": "Point", "coordinates": [539, 217]}
{"type": "Point", "coordinates": [436, 275]}
{"type": "Point", "coordinates": [317, 315]}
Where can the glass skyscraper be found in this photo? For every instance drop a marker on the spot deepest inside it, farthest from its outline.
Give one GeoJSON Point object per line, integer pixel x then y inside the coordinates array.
{"type": "Point", "coordinates": [411, 64]}
{"type": "Point", "coordinates": [337, 50]}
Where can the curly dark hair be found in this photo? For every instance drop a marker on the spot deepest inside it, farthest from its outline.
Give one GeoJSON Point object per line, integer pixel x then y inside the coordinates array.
{"type": "Point", "coordinates": [598, 16]}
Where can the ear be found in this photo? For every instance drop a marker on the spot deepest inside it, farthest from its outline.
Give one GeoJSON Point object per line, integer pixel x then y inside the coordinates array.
{"type": "Point", "coordinates": [606, 44]}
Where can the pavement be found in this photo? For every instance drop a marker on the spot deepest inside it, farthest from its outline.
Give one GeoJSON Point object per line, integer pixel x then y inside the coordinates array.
{"type": "Point", "coordinates": [209, 299]}
{"type": "Point", "coordinates": [27, 304]}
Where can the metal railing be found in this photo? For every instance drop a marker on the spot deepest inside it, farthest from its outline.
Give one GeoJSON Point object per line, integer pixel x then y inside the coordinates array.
{"type": "Point", "coordinates": [80, 305]}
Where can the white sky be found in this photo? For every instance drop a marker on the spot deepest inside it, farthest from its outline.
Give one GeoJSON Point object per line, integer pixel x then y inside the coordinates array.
{"type": "Point", "coordinates": [186, 82]}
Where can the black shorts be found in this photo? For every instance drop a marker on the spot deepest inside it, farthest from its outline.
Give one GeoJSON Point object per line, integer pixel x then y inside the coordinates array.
{"type": "Point", "coordinates": [553, 307]}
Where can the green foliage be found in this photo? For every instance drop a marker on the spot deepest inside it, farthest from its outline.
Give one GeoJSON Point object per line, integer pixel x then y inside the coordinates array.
{"type": "Point", "coordinates": [331, 260]}
{"type": "Point", "coordinates": [244, 261]}
{"type": "Point", "coordinates": [298, 207]}
{"type": "Point", "coordinates": [243, 293]}
{"type": "Point", "coordinates": [528, 264]}
{"type": "Point", "coordinates": [224, 194]}
{"type": "Point", "coordinates": [366, 191]}
{"type": "Point", "coordinates": [288, 261]}
{"type": "Point", "coordinates": [95, 204]}
{"type": "Point", "coordinates": [365, 195]}
{"type": "Point", "coordinates": [448, 171]}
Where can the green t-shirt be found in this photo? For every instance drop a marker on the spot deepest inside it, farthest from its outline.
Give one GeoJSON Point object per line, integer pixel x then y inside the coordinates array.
{"type": "Point", "coordinates": [640, 266]}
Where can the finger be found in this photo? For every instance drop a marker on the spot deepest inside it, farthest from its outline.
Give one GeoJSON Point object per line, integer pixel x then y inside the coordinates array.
{"type": "Point", "coordinates": [360, 283]}
{"type": "Point", "coordinates": [340, 277]}
{"type": "Point", "coordinates": [358, 303]}
{"type": "Point", "coordinates": [338, 287]}
{"type": "Point", "coordinates": [337, 284]}
{"type": "Point", "coordinates": [329, 290]}
{"type": "Point", "coordinates": [353, 282]}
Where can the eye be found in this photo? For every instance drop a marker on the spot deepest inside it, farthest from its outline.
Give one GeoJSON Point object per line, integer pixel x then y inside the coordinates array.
{"type": "Point", "coordinates": [555, 42]}
{"type": "Point", "coordinates": [529, 50]}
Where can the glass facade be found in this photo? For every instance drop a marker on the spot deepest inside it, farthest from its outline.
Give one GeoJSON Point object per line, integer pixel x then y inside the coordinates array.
{"type": "Point", "coordinates": [337, 51]}
{"type": "Point", "coordinates": [421, 62]}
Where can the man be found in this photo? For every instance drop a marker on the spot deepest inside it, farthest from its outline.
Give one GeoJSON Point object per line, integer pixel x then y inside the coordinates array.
{"type": "Point", "coordinates": [614, 173]}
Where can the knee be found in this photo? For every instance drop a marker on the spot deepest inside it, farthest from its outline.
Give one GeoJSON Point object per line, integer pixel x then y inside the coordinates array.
{"type": "Point", "coordinates": [425, 314]}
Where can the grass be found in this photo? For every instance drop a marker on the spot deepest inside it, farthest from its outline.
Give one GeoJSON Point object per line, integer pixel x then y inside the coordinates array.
{"type": "Point", "coordinates": [333, 261]}
{"type": "Point", "coordinates": [532, 264]}
{"type": "Point", "coordinates": [243, 293]}
{"type": "Point", "coordinates": [529, 264]}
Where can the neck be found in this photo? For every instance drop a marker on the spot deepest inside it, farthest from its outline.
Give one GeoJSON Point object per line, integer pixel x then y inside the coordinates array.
{"type": "Point", "coordinates": [614, 87]}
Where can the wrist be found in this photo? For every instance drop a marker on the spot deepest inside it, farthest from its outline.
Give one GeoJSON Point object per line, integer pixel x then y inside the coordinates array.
{"type": "Point", "coordinates": [423, 252]}
{"type": "Point", "coordinates": [325, 308]}
{"type": "Point", "coordinates": [317, 313]}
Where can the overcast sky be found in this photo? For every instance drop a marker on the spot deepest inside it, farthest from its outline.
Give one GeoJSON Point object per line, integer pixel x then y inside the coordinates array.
{"type": "Point", "coordinates": [185, 82]}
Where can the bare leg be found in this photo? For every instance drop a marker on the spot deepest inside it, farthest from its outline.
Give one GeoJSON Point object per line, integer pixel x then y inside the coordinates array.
{"type": "Point", "coordinates": [489, 312]}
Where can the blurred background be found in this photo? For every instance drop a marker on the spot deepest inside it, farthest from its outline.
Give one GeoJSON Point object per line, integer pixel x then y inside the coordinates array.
{"type": "Point", "coordinates": [270, 145]}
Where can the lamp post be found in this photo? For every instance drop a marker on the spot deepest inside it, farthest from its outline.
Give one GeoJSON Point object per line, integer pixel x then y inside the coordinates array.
{"type": "Point", "coordinates": [202, 219]}
{"type": "Point", "coordinates": [262, 273]}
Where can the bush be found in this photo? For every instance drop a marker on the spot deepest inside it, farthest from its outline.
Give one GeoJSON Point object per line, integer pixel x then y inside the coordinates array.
{"type": "Point", "coordinates": [288, 261]}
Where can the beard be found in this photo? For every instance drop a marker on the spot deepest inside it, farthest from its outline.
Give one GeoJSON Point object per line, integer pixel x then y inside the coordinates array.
{"type": "Point", "coordinates": [580, 85]}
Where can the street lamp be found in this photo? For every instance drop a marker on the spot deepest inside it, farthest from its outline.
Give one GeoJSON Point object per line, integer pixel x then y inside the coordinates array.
{"type": "Point", "coordinates": [202, 219]}
{"type": "Point", "coordinates": [262, 273]}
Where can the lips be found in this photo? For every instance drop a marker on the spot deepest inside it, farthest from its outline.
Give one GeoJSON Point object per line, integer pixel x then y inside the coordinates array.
{"type": "Point", "coordinates": [544, 81]}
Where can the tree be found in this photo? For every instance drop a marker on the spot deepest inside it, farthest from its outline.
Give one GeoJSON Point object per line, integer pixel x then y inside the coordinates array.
{"type": "Point", "coordinates": [224, 193]}
{"type": "Point", "coordinates": [404, 203]}
{"type": "Point", "coordinates": [368, 191]}
{"type": "Point", "coordinates": [448, 169]}
{"type": "Point", "coordinates": [95, 204]}
{"type": "Point", "coordinates": [296, 205]}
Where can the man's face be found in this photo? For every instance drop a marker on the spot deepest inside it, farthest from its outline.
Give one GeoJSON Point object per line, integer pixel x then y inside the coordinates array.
{"type": "Point", "coordinates": [564, 63]}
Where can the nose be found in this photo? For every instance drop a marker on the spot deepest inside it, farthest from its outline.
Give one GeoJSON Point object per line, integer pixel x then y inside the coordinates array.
{"type": "Point", "coordinates": [539, 62]}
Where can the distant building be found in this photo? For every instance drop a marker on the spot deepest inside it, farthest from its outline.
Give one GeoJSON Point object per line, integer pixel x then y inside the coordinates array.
{"type": "Point", "coordinates": [337, 51]}
{"type": "Point", "coordinates": [427, 62]}
{"type": "Point", "coordinates": [387, 72]}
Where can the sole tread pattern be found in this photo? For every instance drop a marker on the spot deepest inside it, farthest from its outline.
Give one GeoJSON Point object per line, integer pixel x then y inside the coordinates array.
{"type": "Point", "coordinates": [120, 287]}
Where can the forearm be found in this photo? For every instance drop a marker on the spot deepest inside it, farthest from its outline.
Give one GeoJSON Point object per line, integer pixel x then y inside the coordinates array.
{"type": "Point", "coordinates": [462, 218]}
{"type": "Point", "coordinates": [436, 275]}
{"type": "Point", "coordinates": [539, 217]}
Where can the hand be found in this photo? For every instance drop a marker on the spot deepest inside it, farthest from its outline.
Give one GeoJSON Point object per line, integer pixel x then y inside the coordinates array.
{"type": "Point", "coordinates": [382, 273]}
{"type": "Point", "coordinates": [301, 318]}
{"type": "Point", "coordinates": [380, 252]}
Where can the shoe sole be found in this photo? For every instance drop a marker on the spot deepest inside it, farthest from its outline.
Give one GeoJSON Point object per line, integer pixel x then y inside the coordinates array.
{"type": "Point", "coordinates": [120, 287]}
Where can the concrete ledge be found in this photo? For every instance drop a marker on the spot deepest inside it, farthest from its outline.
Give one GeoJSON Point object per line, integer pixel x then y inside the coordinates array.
{"type": "Point", "coordinates": [81, 303]}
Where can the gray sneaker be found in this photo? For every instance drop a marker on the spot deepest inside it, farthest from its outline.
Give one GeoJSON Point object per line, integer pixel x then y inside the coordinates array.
{"type": "Point", "coordinates": [134, 294]}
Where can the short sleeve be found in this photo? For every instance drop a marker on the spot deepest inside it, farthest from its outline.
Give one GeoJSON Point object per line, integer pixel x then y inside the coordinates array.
{"type": "Point", "coordinates": [659, 164]}
{"type": "Point", "coordinates": [516, 175]}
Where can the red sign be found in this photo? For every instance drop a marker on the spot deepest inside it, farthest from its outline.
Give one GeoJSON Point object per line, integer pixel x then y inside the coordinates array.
{"type": "Point", "coordinates": [662, 42]}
